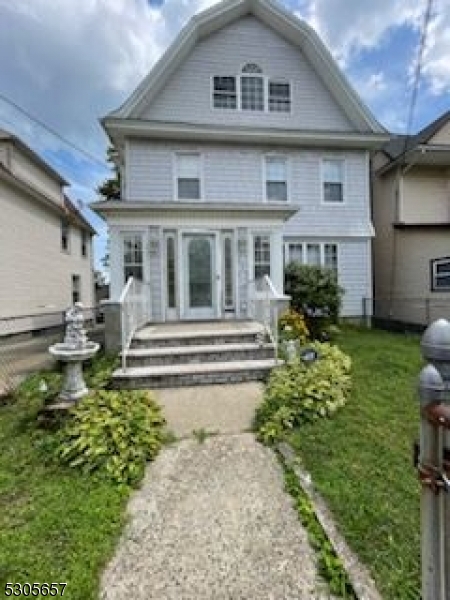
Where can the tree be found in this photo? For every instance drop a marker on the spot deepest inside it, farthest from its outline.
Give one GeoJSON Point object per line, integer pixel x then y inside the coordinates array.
{"type": "Point", "coordinates": [110, 188]}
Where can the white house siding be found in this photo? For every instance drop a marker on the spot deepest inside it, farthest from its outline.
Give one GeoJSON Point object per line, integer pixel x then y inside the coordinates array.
{"type": "Point", "coordinates": [187, 95]}
{"type": "Point", "coordinates": [35, 273]}
{"type": "Point", "coordinates": [26, 170]}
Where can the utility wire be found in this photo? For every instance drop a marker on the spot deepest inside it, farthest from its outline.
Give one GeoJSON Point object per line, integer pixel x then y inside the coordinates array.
{"type": "Point", "coordinates": [53, 132]}
{"type": "Point", "coordinates": [418, 71]}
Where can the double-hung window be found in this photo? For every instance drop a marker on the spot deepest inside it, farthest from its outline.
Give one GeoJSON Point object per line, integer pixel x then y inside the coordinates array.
{"type": "Point", "coordinates": [224, 92]}
{"type": "Point", "coordinates": [440, 274]}
{"type": "Point", "coordinates": [279, 96]}
{"type": "Point", "coordinates": [276, 178]}
{"type": "Point", "coordinates": [84, 244]}
{"type": "Point", "coordinates": [333, 180]}
{"type": "Point", "coordinates": [188, 176]}
{"type": "Point", "coordinates": [133, 265]}
{"type": "Point", "coordinates": [252, 88]}
{"type": "Point", "coordinates": [261, 248]}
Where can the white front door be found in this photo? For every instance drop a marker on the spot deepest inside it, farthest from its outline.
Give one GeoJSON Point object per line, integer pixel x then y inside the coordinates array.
{"type": "Point", "coordinates": [200, 288]}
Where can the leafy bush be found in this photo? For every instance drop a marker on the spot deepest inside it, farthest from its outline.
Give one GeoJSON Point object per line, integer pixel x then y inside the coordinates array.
{"type": "Point", "coordinates": [299, 393]}
{"type": "Point", "coordinates": [315, 292]}
{"type": "Point", "coordinates": [44, 384]}
{"type": "Point", "coordinates": [292, 326]}
{"type": "Point", "coordinates": [98, 373]}
{"type": "Point", "coordinates": [114, 433]}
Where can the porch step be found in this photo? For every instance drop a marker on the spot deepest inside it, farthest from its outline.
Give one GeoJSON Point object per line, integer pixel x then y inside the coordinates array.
{"type": "Point", "coordinates": [178, 375]}
{"type": "Point", "coordinates": [151, 339]}
{"type": "Point", "coordinates": [204, 353]}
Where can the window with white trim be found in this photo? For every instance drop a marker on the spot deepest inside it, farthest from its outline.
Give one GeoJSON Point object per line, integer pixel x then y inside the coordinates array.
{"type": "Point", "coordinates": [252, 88]}
{"type": "Point", "coordinates": [316, 254]}
{"type": "Point", "coordinates": [333, 180]}
{"type": "Point", "coordinates": [440, 274]}
{"type": "Point", "coordinates": [276, 178]}
{"type": "Point", "coordinates": [279, 96]}
{"type": "Point", "coordinates": [170, 272]}
{"type": "Point", "coordinates": [133, 263]}
{"type": "Point", "coordinates": [224, 92]}
{"type": "Point", "coordinates": [261, 247]}
{"type": "Point", "coordinates": [188, 176]}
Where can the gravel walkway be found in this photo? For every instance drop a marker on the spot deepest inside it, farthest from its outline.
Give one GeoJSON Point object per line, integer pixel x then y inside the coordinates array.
{"type": "Point", "coordinates": [211, 521]}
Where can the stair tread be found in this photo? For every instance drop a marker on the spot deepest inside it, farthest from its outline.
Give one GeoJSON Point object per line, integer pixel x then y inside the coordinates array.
{"type": "Point", "coordinates": [187, 350]}
{"type": "Point", "coordinates": [144, 336]}
{"type": "Point", "coordinates": [193, 368]}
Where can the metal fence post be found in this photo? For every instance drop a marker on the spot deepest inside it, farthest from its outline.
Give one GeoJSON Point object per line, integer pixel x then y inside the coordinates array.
{"type": "Point", "coordinates": [434, 471]}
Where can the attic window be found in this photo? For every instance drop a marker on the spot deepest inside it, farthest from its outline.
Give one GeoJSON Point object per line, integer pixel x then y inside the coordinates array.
{"type": "Point", "coordinates": [252, 88]}
{"type": "Point", "coordinates": [224, 94]}
{"type": "Point", "coordinates": [279, 96]}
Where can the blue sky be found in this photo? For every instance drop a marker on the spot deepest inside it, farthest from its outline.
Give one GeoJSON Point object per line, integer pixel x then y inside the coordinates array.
{"type": "Point", "coordinates": [68, 63]}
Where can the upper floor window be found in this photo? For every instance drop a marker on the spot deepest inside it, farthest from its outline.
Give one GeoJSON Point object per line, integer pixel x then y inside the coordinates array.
{"type": "Point", "coordinates": [224, 93]}
{"type": "Point", "coordinates": [252, 88]}
{"type": "Point", "coordinates": [76, 289]}
{"type": "Point", "coordinates": [279, 96]}
{"type": "Point", "coordinates": [188, 176]}
{"type": "Point", "coordinates": [133, 260]}
{"type": "Point", "coordinates": [440, 274]}
{"type": "Point", "coordinates": [333, 180]}
{"type": "Point", "coordinates": [276, 178]}
{"type": "Point", "coordinates": [84, 243]}
{"type": "Point", "coordinates": [65, 235]}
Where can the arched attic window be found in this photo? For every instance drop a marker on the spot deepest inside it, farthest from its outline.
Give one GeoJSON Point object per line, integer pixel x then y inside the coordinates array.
{"type": "Point", "coordinates": [252, 87]}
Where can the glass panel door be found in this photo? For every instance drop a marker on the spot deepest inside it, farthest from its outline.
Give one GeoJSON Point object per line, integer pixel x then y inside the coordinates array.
{"type": "Point", "coordinates": [199, 270]}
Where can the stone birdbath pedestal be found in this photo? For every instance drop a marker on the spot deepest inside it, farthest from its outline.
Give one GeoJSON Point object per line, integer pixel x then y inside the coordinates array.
{"type": "Point", "coordinates": [73, 351]}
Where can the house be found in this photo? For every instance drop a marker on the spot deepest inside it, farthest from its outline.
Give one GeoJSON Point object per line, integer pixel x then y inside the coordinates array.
{"type": "Point", "coordinates": [244, 148]}
{"type": "Point", "coordinates": [411, 212]}
{"type": "Point", "coordinates": [46, 260]}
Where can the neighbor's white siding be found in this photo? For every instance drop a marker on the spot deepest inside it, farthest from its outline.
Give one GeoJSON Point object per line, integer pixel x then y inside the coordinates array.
{"type": "Point", "coordinates": [35, 274]}
{"type": "Point", "coordinates": [187, 95]}
{"type": "Point", "coordinates": [26, 170]}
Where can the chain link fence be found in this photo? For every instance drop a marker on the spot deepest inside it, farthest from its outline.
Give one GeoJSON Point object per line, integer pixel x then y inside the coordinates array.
{"type": "Point", "coordinates": [24, 342]}
{"type": "Point", "coordinates": [406, 313]}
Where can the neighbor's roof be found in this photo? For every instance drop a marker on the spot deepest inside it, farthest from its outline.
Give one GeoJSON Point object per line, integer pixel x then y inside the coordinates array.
{"type": "Point", "coordinates": [285, 23]}
{"type": "Point", "coordinates": [400, 145]}
{"type": "Point", "coordinates": [16, 141]}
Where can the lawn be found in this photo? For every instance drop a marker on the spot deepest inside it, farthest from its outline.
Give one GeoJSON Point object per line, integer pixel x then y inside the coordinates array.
{"type": "Point", "coordinates": [56, 525]}
{"type": "Point", "coordinates": [361, 460]}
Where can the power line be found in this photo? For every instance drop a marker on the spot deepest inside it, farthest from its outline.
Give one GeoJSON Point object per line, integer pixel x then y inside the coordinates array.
{"type": "Point", "coordinates": [52, 131]}
{"type": "Point", "coordinates": [418, 69]}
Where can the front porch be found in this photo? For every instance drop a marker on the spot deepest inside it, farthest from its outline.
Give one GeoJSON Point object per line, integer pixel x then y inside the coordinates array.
{"type": "Point", "coordinates": [196, 353]}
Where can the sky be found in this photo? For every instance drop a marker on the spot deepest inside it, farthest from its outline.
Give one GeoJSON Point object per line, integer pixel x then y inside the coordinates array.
{"type": "Point", "coordinates": [69, 62]}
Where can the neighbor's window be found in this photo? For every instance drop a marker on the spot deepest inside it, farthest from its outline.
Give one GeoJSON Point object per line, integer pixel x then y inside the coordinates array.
{"type": "Point", "coordinates": [133, 265]}
{"type": "Point", "coordinates": [252, 88]}
{"type": "Point", "coordinates": [65, 235]}
{"type": "Point", "coordinates": [276, 178]}
{"type": "Point", "coordinates": [333, 180]}
{"type": "Point", "coordinates": [76, 289]}
{"type": "Point", "coordinates": [440, 274]}
{"type": "Point", "coordinates": [279, 96]}
{"type": "Point", "coordinates": [224, 92]}
{"type": "Point", "coordinates": [188, 176]}
{"type": "Point", "coordinates": [84, 243]}
{"type": "Point", "coordinates": [261, 244]}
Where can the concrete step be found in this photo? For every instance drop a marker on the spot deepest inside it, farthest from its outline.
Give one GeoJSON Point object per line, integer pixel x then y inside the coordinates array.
{"type": "Point", "coordinates": [171, 355]}
{"type": "Point", "coordinates": [145, 339]}
{"type": "Point", "coordinates": [193, 374]}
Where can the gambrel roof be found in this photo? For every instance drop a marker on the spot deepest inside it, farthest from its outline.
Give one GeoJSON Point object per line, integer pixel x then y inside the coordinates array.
{"type": "Point", "coordinates": [281, 21]}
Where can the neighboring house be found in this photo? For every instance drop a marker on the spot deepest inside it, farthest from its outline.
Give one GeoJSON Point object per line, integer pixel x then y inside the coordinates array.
{"type": "Point", "coordinates": [244, 148]}
{"type": "Point", "coordinates": [411, 212]}
{"type": "Point", "coordinates": [46, 260]}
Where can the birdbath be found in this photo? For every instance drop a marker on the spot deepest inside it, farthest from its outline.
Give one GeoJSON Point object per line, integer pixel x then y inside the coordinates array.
{"type": "Point", "coordinates": [75, 349]}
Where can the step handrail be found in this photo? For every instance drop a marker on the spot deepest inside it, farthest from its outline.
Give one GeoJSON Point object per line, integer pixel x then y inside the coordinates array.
{"type": "Point", "coordinates": [134, 313]}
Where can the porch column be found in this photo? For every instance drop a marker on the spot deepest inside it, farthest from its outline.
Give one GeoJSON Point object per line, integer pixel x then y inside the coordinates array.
{"type": "Point", "coordinates": [243, 274]}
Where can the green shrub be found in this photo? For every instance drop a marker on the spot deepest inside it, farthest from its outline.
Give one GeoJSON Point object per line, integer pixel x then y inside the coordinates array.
{"type": "Point", "coordinates": [316, 293]}
{"type": "Point", "coordinates": [114, 433]}
{"type": "Point", "coordinates": [292, 326]}
{"type": "Point", "coordinates": [44, 384]}
{"type": "Point", "coordinates": [299, 393]}
{"type": "Point", "coordinates": [98, 373]}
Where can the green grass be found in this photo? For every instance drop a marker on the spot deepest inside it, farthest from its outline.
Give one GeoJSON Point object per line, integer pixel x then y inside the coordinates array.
{"type": "Point", "coordinates": [56, 525]}
{"type": "Point", "coordinates": [361, 459]}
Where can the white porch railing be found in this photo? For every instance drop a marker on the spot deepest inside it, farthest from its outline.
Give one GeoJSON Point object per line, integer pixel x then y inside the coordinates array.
{"type": "Point", "coordinates": [134, 312]}
{"type": "Point", "coordinates": [265, 306]}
